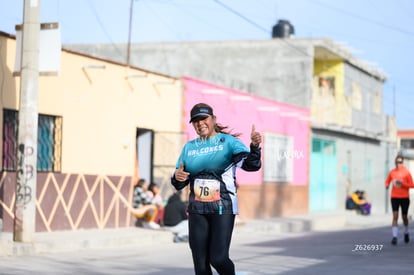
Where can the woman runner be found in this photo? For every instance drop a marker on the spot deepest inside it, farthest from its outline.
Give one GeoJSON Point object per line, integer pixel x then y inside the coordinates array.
{"type": "Point", "coordinates": [208, 164]}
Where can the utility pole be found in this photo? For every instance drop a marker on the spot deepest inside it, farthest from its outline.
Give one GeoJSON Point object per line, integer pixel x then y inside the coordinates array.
{"type": "Point", "coordinates": [394, 112]}
{"type": "Point", "coordinates": [131, 10]}
{"type": "Point", "coordinates": [26, 176]}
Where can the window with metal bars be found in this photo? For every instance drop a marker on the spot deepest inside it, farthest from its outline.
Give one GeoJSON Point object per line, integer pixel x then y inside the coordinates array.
{"type": "Point", "coordinates": [407, 143]}
{"type": "Point", "coordinates": [49, 143]}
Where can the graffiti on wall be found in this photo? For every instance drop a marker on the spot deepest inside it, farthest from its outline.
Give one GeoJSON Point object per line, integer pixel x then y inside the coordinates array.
{"type": "Point", "coordinates": [25, 172]}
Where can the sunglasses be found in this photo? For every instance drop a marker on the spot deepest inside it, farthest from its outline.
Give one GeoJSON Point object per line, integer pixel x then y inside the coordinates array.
{"type": "Point", "coordinates": [399, 162]}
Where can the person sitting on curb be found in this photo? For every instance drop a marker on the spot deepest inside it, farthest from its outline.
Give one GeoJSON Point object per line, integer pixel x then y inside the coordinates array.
{"type": "Point", "coordinates": [145, 208]}
{"type": "Point", "coordinates": [155, 192]}
{"type": "Point", "coordinates": [360, 199]}
{"type": "Point", "coordinates": [175, 217]}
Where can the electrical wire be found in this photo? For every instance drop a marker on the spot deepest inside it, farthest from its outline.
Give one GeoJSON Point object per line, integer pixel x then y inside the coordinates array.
{"type": "Point", "coordinates": [242, 16]}
{"type": "Point", "coordinates": [260, 27]}
{"type": "Point", "coordinates": [99, 21]}
{"type": "Point", "coordinates": [404, 9]}
{"type": "Point", "coordinates": [160, 18]}
{"type": "Point", "coordinates": [200, 19]}
{"type": "Point", "coordinates": [362, 18]}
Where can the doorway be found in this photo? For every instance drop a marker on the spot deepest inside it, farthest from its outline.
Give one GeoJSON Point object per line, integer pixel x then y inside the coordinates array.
{"type": "Point", "coordinates": [145, 153]}
{"type": "Point", "coordinates": [322, 190]}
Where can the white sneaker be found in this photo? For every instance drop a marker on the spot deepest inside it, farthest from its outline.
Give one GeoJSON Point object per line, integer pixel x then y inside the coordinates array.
{"type": "Point", "coordinates": [150, 225]}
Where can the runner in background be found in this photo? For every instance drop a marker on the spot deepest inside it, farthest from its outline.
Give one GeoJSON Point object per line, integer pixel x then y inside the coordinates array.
{"type": "Point", "coordinates": [400, 180]}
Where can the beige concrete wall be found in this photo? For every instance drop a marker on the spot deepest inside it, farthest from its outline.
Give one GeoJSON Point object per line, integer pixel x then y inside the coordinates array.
{"type": "Point", "coordinates": [101, 109]}
{"type": "Point", "coordinates": [8, 84]}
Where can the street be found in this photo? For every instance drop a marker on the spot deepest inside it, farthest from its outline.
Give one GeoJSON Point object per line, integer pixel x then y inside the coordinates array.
{"type": "Point", "coordinates": [351, 251]}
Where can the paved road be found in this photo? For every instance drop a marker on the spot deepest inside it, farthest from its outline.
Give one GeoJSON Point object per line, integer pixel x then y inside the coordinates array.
{"type": "Point", "coordinates": [329, 252]}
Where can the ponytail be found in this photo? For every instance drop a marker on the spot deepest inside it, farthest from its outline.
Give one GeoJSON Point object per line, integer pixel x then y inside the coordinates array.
{"type": "Point", "coordinates": [223, 129]}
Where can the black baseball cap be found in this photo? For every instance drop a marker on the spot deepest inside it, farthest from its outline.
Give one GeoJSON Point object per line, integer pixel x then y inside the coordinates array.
{"type": "Point", "coordinates": [200, 110]}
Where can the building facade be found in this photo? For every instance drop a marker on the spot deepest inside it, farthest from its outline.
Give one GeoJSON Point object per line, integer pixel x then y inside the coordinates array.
{"type": "Point", "coordinates": [101, 126]}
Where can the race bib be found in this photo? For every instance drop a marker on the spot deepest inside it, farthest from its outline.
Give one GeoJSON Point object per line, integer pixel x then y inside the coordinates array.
{"type": "Point", "coordinates": [206, 190]}
{"type": "Point", "coordinates": [397, 183]}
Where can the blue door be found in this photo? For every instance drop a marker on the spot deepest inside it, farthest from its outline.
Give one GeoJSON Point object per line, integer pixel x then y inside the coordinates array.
{"type": "Point", "coordinates": [322, 190]}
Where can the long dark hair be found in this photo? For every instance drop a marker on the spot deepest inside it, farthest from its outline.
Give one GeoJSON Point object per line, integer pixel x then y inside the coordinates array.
{"type": "Point", "coordinates": [140, 182]}
{"type": "Point", "coordinates": [399, 158]}
{"type": "Point", "coordinates": [223, 129]}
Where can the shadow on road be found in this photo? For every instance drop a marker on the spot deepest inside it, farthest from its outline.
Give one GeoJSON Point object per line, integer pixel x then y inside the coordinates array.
{"type": "Point", "coordinates": [366, 251]}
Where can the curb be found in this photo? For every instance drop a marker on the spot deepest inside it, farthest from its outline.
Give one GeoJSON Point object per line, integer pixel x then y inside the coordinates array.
{"type": "Point", "coordinates": [69, 241]}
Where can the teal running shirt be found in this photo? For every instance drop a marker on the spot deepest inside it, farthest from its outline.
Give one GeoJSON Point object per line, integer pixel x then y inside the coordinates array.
{"type": "Point", "coordinates": [212, 166]}
{"type": "Point", "coordinates": [214, 154]}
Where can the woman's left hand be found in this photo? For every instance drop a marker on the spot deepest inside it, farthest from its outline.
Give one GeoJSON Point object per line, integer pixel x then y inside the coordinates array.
{"type": "Point", "coordinates": [256, 137]}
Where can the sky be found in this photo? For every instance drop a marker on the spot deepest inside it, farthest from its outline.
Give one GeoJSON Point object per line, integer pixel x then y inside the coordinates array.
{"type": "Point", "coordinates": [379, 32]}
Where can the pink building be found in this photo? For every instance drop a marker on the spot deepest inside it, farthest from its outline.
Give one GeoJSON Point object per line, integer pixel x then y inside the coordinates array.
{"type": "Point", "coordinates": [280, 188]}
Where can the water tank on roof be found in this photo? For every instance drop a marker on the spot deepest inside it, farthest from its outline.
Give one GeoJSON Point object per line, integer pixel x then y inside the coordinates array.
{"type": "Point", "coordinates": [283, 29]}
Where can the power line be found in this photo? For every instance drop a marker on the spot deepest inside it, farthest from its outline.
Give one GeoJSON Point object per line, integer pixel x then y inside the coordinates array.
{"type": "Point", "coordinates": [404, 8]}
{"type": "Point", "coordinates": [103, 27]}
{"type": "Point", "coordinates": [260, 27]}
{"type": "Point", "coordinates": [131, 9]}
{"type": "Point", "coordinates": [160, 18]}
{"type": "Point", "coordinates": [241, 16]}
{"type": "Point", "coordinates": [200, 19]}
{"type": "Point", "coordinates": [364, 18]}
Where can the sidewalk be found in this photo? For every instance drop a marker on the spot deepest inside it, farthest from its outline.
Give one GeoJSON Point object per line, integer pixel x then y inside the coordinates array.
{"type": "Point", "coordinates": [68, 241]}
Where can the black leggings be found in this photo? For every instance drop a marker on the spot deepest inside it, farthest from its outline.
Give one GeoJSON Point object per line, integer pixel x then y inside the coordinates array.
{"type": "Point", "coordinates": [209, 238]}
{"type": "Point", "coordinates": [403, 202]}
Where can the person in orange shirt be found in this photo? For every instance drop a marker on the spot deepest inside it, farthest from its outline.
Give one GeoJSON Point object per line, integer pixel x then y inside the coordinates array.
{"type": "Point", "coordinates": [401, 180]}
